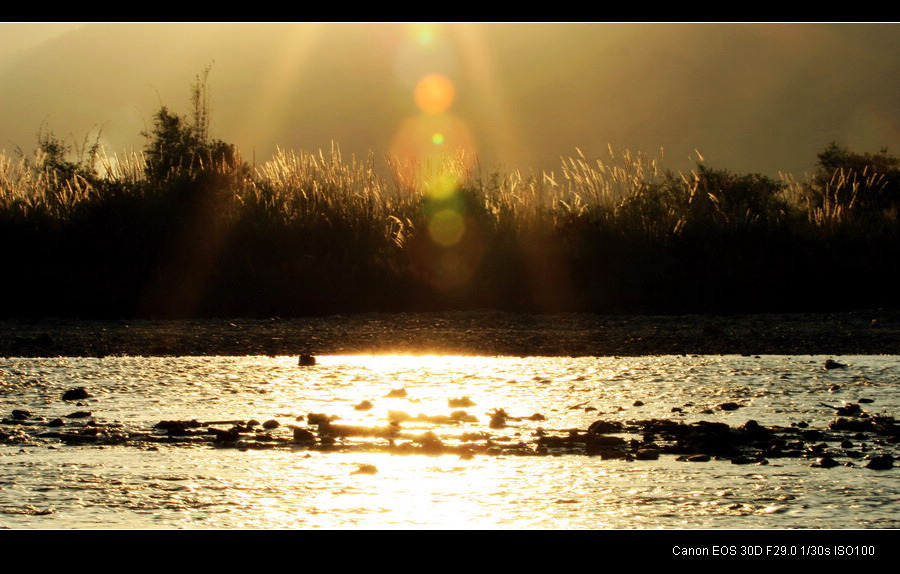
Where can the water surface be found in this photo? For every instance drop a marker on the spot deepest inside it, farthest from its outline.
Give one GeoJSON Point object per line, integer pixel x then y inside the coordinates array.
{"type": "Point", "coordinates": [46, 484]}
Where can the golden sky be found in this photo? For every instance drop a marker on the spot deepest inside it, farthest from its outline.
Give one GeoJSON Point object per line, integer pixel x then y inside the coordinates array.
{"type": "Point", "coordinates": [750, 97]}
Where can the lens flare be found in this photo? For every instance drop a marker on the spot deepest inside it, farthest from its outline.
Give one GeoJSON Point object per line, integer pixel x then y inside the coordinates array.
{"type": "Point", "coordinates": [434, 94]}
{"type": "Point", "coordinates": [427, 51]}
{"type": "Point", "coordinates": [447, 227]}
{"type": "Point", "coordinates": [443, 185]}
{"type": "Point", "coordinates": [425, 139]}
{"type": "Point", "coordinates": [424, 148]}
{"type": "Point", "coordinates": [424, 32]}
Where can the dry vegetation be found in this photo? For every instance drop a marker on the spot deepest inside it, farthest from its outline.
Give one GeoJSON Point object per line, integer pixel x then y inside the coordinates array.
{"type": "Point", "coordinates": [187, 228]}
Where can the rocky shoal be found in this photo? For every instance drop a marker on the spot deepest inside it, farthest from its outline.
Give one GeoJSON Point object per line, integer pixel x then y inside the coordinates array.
{"type": "Point", "coordinates": [855, 438]}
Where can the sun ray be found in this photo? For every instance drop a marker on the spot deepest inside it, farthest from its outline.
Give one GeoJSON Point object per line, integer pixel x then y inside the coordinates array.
{"type": "Point", "coordinates": [503, 138]}
{"type": "Point", "coordinates": [284, 70]}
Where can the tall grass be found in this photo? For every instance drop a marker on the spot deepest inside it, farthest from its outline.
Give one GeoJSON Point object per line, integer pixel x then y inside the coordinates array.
{"type": "Point", "coordinates": [309, 233]}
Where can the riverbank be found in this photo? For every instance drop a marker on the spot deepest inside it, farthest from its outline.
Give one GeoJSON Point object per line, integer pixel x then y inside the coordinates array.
{"type": "Point", "coordinates": [470, 333]}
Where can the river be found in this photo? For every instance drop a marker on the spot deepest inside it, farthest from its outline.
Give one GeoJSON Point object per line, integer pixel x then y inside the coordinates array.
{"type": "Point", "coordinates": [104, 484]}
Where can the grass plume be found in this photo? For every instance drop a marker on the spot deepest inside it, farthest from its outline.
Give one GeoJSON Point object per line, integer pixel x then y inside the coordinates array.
{"type": "Point", "coordinates": [189, 229]}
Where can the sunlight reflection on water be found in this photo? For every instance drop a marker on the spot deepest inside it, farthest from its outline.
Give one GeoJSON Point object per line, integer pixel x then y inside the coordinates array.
{"type": "Point", "coordinates": [54, 486]}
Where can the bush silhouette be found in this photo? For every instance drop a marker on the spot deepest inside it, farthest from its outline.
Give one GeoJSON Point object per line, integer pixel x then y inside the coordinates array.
{"type": "Point", "coordinates": [864, 184]}
{"type": "Point", "coordinates": [177, 145]}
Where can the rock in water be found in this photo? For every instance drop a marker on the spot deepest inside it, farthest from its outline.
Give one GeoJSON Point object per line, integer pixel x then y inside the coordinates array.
{"type": "Point", "coordinates": [366, 469]}
{"type": "Point", "coordinates": [647, 454]}
{"type": "Point", "coordinates": [605, 427]}
{"type": "Point", "coordinates": [460, 403]}
{"type": "Point", "coordinates": [605, 446]}
{"type": "Point", "coordinates": [303, 436]}
{"type": "Point", "coordinates": [498, 419]}
{"type": "Point", "coordinates": [76, 394]}
{"type": "Point", "coordinates": [827, 462]}
{"type": "Point", "coordinates": [885, 462]}
{"type": "Point", "coordinates": [307, 361]}
{"type": "Point", "coordinates": [849, 410]}
{"type": "Point", "coordinates": [317, 418]}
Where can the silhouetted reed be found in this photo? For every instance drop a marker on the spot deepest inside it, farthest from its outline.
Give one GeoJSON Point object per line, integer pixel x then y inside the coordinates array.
{"type": "Point", "coordinates": [312, 233]}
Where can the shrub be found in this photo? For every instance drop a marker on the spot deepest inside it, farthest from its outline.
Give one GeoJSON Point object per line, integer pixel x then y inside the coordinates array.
{"type": "Point", "coordinates": [177, 145]}
{"type": "Point", "coordinates": [850, 184]}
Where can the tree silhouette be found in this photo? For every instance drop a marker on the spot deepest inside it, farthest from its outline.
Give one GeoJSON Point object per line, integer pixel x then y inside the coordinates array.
{"type": "Point", "coordinates": [177, 145]}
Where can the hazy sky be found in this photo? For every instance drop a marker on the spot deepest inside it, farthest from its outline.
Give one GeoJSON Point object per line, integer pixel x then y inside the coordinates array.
{"type": "Point", "coordinates": [750, 97]}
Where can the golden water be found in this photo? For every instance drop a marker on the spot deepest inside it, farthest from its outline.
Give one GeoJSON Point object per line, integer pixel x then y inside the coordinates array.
{"type": "Point", "coordinates": [51, 485]}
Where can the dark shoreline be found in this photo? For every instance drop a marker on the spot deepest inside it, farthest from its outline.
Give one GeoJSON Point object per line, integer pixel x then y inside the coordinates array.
{"type": "Point", "coordinates": [868, 332]}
